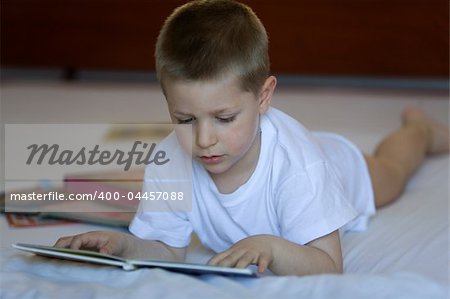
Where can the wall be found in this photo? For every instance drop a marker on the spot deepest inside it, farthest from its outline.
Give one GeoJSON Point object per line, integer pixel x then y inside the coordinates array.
{"type": "Point", "coordinates": [406, 38]}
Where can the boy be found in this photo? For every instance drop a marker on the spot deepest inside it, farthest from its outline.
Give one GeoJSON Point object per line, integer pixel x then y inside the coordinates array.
{"type": "Point", "coordinates": [265, 190]}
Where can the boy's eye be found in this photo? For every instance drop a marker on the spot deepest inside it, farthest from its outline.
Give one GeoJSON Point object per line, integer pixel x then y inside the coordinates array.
{"type": "Point", "coordinates": [185, 121]}
{"type": "Point", "coordinates": [227, 119]}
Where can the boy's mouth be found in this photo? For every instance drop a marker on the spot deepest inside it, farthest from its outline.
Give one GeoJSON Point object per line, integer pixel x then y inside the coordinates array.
{"type": "Point", "coordinates": [211, 159]}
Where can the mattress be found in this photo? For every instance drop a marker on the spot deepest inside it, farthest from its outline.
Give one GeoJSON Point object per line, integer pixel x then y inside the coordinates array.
{"type": "Point", "coordinates": [404, 253]}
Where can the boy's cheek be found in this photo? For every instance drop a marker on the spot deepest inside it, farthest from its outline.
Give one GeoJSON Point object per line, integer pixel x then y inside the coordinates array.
{"type": "Point", "coordinates": [185, 138]}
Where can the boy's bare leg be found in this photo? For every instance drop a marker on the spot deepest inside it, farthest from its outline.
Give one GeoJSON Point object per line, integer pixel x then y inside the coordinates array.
{"type": "Point", "coordinates": [402, 152]}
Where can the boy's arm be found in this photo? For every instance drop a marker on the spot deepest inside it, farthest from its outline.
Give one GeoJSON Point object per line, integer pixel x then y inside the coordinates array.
{"type": "Point", "coordinates": [283, 257]}
{"type": "Point", "coordinates": [123, 245]}
{"type": "Point", "coordinates": [149, 249]}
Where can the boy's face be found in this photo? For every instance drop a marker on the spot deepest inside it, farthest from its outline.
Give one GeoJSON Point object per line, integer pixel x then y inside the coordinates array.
{"type": "Point", "coordinates": [224, 119]}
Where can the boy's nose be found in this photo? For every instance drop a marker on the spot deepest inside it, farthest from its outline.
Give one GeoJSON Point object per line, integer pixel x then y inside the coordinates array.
{"type": "Point", "coordinates": [205, 135]}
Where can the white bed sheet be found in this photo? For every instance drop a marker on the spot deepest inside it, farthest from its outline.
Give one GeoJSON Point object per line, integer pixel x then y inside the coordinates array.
{"type": "Point", "coordinates": [410, 235]}
{"type": "Point", "coordinates": [31, 277]}
{"type": "Point", "coordinates": [404, 253]}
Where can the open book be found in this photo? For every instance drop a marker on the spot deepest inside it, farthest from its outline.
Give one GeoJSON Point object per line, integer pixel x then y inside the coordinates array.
{"type": "Point", "coordinates": [131, 264]}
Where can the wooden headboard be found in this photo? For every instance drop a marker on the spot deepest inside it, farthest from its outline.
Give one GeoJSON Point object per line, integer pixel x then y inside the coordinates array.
{"type": "Point", "coordinates": [307, 37]}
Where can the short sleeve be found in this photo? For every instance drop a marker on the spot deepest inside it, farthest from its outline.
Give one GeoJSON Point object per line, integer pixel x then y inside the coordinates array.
{"type": "Point", "coordinates": [163, 214]}
{"type": "Point", "coordinates": [311, 204]}
{"type": "Point", "coordinates": [161, 220]}
{"type": "Point", "coordinates": [171, 228]}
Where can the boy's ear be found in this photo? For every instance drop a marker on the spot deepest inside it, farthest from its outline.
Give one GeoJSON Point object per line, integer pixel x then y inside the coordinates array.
{"type": "Point", "coordinates": [265, 96]}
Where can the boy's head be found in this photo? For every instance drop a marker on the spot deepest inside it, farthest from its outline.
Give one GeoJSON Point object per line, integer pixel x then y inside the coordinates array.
{"type": "Point", "coordinates": [208, 39]}
{"type": "Point", "coordinates": [212, 62]}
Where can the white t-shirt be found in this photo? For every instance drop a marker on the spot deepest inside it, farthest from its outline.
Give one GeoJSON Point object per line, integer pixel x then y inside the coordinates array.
{"type": "Point", "coordinates": [305, 186]}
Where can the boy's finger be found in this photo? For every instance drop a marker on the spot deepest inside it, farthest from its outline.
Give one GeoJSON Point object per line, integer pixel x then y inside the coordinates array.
{"type": "Point", "coordinates": [218, 257]}
{"type": "Point", "coordinates": [232, 259]}
{"type": "Point", "coordinates": [87, 240]}
{"type": "Point", "coordinates": [244, 261]}
{"type": "Point", "coordinates": [77, 242]}
{"type": "Point", "coordinates": [107, 248]}
{"type": "Point", "coordinates": [63, 242]}
{"type": "Point", "coordinates": [221, 258]}
{"type": "Point", "coordinates": [263, 263]}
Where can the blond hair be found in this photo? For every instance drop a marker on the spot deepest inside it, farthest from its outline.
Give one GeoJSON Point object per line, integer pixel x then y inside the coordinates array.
{"type": "Point", "coordinates": [206, 39]}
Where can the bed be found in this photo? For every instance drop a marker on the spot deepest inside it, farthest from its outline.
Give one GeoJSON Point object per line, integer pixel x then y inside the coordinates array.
{"type": "Point", "coordinates": [403, 254]}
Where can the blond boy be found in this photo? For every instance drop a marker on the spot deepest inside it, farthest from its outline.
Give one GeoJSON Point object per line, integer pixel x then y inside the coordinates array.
{"type": "Point", "coordinates": [266, 191]}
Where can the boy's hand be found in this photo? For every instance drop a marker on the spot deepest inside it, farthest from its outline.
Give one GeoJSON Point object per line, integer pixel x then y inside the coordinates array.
{"type": "Point", "coordinates": [252, 250]}
{"type": "Point", "coordinates": [322, 255]}
{"type": "Point", "coordinates": [113, 243]}
{"type": "Point", "coordinates": [123, 245]}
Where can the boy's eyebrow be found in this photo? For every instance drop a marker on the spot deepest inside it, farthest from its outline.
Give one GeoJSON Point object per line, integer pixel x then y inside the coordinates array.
{"type": "Point", "coordinates": [218, 111]}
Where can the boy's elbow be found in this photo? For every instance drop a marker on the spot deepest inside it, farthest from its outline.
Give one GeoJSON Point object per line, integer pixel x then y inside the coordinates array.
{"type": "Point", "coordinates": [337, 267]}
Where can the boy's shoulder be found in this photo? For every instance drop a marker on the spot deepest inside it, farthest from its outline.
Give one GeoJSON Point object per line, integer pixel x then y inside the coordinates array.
{"type": "Point", "coordinates": [288, 134]}
{"type": "Point", "coordinates": [285, 125]}
{"type": "Point", "coordinates": [292, 146]}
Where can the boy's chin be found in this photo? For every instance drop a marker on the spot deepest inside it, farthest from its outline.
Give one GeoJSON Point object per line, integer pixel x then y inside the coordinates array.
{"type": "Point", "coordinates": [216, 169]}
